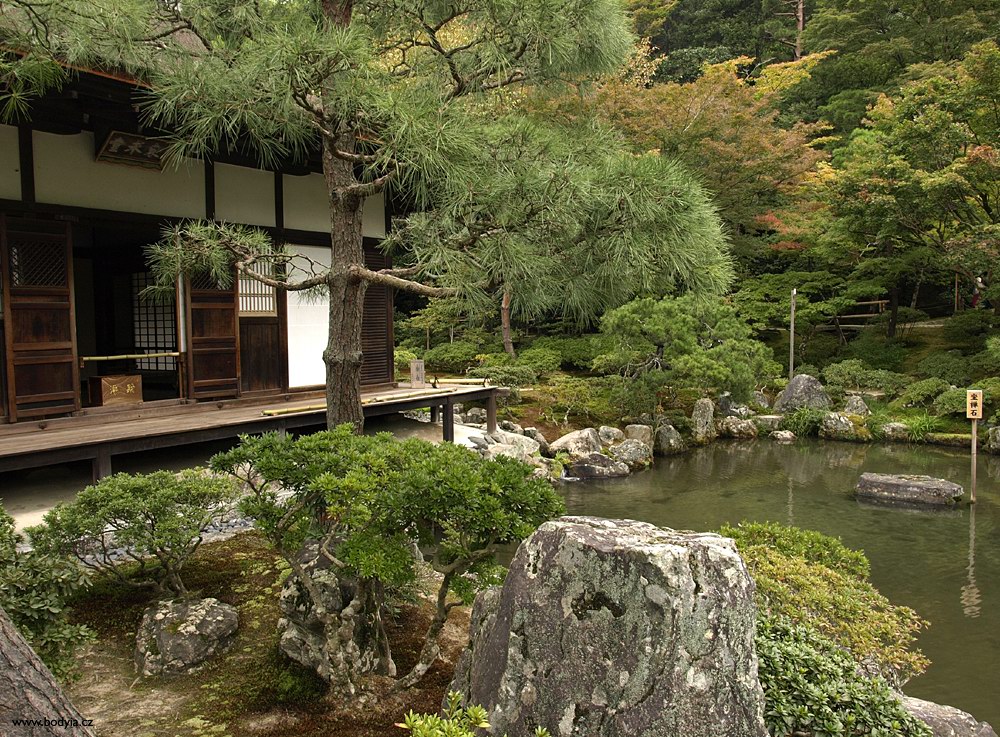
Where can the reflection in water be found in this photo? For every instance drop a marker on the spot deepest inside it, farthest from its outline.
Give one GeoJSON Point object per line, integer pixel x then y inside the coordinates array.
{"type": "Point", "coordinates": [971, 598]}
{"type": "Point", "coordinates": [920, 559]}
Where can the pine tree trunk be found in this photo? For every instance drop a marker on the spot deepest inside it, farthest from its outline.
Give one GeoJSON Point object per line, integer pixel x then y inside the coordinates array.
{"type": "Point", "coordinates": [29, 691]}
{"type": "Point", "coordinates": [343, 354]}
{"type": "Point", "coordinates": [508, 344]}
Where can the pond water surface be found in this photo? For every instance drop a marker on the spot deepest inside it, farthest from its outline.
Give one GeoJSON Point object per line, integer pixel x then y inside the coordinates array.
{"type": "Point", "coordinates": [945, 565]}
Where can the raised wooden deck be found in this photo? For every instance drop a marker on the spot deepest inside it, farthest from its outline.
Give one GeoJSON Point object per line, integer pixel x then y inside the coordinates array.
{"type": "Point", "coordinates": [100, 435]}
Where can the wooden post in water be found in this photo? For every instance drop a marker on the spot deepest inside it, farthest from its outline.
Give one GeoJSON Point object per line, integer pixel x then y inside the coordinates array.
{"type": "Point", "coordinates": [791, 340]}
{"type": "Point", "coordinates": [974, 412]}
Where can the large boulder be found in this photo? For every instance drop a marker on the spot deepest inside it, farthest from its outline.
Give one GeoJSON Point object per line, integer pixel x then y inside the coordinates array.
{"type": "Point", "coordinates": [596, 466]}
{"type": "Point", "coordinates": [703, 422]}
{"type": "Point", "coordinates": [947, 721]}
{"type": "Point", "coordinates": [607, 628]}
{"type": "Point", "coordinates": [633, 453]}
{"type": "Point", "coordinates": [908, 490]}
{"type": "Point", "coordinates": [577, 443]}
{"type": "Point", "coordinates": [802, 391]}
{"type": "Point", "coordinates": [180, 636]}
{"type": "Point", "coordinates": [642, 433]}
{"type": "Point", "coordinates": [668, 441]}
{"type": "Point", "coordinates": [841, 426]}
{"type": "Point", "coordinates": [735, 427]}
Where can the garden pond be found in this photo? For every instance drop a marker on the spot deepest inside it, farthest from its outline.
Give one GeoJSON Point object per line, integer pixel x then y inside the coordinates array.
{"type": "Point", "coordinates": [945, 565]}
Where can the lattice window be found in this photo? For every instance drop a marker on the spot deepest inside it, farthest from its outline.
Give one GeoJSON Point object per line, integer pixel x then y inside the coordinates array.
{"type": "Point", "coordinates": [155, 328]}
{"type": "Point", "coordinates": [256, 299]}
{"type": "Point", "coordinates": [203, 281]}
{"type": "Point", "coordinates": [38, 263]}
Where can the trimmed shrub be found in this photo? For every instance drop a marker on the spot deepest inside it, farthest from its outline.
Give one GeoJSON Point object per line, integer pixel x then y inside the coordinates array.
{"type": "Point", "coordinates": [401, 359]}
{"type": "Point", "coordinates": [950, 402]}
{"type": "Point", "coordinates": [813, 687]}
{"type": "Point", "coordinates": [34, 589]}
{"type": "Point", "coordinates": [969, 329]}
{"type": "Point", "coordinates": [154, 521]}
{"type": "Point", "coordinates": [921, 393]}
{"type": "Point", "coordinates": [511, 376]}
{"type": "Point", "coordinates": [876, 351]}
{"type": "Point", "coordinates": [849, 373]}
{"type": "Point", "coordinates": [949, 366]}
{"type": "Point", "coordinates": [816, 581]}
{"type": "Point", "coordinates": [453, 358]}
{"type": "Point", "coordinates": [575, 353]}
{"type": "Point", "coordinates": [541, 360]}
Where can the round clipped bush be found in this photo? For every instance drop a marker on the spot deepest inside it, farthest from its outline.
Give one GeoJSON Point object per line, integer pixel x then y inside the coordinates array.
{"type": "Point", "coordinates": [510, 376]}
{"type": "Point", "coordinates": [402, 357]}
{"type": "Point", "coordinates": [921, 393]}
{"type": "Point", "coordinates": [541, 360]}
{"type": "Point", "coordinates": [949, 366]}
{"type": "Point", "coordinates": [154, 521]}
{"type": "Point", "coordinates": [452, 357]}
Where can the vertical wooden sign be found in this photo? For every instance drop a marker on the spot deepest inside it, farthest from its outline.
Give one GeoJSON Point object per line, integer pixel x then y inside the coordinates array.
{"type": "Point", "coordinates": [974, 412]}
{"type": "Point", "coordinates": [417, 377]}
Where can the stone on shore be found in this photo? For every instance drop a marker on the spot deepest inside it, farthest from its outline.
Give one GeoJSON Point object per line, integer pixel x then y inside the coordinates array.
{"type": "Point", "coordinates": [735, 427]}
{"type": "Point", "coordinates": [596, 466]}
{"type": "Point", "coordinates": [895, 432]}
{"type": "Point", "coordinates": [577, 443]}
{"type": "Point", "coordinates": [606, 628]}
{"type": "Point", "coordinates": [768, 423]}
{"type": "Point", "coordinates": [633, 453]}
{"type": "Point", "coordinates": [180, 636]}
{"type": "Point", "coordinates": [610, 435]}
{"type": "Point", "coordinates": [802, 391]}
{"type": "Point", "coordinates": [856, 406]}
{"type": "Point", "coordinates": [992, 444]}
{"type": "Point", "coordinates": [761, 400]}
{"type": "Point", "coordinates": [908, 490]}
{"type": "Point", "coordinates": [642, 433]}
{"type": "Point", "coordinates": [668, 441]}
{"type": "Point", "coordinates": [536, 435]}
{"type": "Point", "coordinates": [841, 426]}
{"type": "Point", "coordinates": [783, 436]}
{"type": "Point", "coordinates": [703, 422]}
{"type": "Point", "coordinates": [947, 721]}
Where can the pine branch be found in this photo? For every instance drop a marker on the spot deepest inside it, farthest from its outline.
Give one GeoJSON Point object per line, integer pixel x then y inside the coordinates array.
{"type": "Point", "coordinates": [395, 282]}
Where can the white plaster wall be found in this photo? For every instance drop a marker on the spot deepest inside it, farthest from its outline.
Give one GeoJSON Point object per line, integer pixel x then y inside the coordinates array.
{"type": "Point", "coordinates": [244, 195]}
{"type": "Point", "coordinates": [306, 206]}
{"type": "Point", "coordinates": [10, 167]}
{"type": "Point", "coordinates": [66, 173]}
{"type": "Point", "coordinates": [308, 327]}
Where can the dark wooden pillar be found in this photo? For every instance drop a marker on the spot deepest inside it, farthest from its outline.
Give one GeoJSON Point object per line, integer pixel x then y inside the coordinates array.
{"type": "Point", "coordinates": [435, 410]}
{"type": "Point", "coordinates": [491, 412]}
{"type": "Point", "coordinates": [102, 463]}
{"type": "Point", "coordinates": [449, 420]}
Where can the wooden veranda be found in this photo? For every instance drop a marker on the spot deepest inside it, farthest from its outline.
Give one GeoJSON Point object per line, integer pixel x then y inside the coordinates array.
{"type": "Point", "coordinates": [99, 435]}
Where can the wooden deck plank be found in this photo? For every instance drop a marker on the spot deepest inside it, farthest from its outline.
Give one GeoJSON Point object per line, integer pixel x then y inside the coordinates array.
{"type": "Point", "coordinates": [67, 440]}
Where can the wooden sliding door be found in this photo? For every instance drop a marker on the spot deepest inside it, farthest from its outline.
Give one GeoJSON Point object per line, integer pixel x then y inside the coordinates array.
{"type": "Point", "coordinates": [213, 340]}
{"type": "Point", "coordinates": [39, 329]}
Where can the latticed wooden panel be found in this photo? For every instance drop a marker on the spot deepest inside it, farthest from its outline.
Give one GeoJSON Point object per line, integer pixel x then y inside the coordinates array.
{"type": "Point", "coordinates": [203, 282]}
{"type": "Point", "coordinates": [258, 299]}
{"type": "Point", "coordinates": [38, 262]}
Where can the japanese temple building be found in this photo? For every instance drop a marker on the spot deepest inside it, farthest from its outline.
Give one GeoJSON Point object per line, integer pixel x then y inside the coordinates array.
{"type": "Point", "coordinates": [82, 192]}
{"type": "Point", "coordinates": [89, 368]}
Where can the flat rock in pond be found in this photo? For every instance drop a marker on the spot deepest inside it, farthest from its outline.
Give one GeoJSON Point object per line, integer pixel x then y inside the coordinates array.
{"type": "Point", "coordinates": [908, 490]}
{"type": "Point", "coordinates": [947, 721]}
